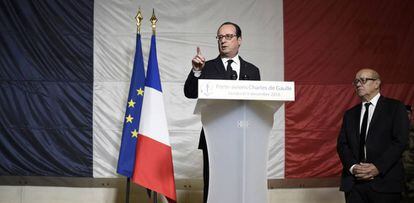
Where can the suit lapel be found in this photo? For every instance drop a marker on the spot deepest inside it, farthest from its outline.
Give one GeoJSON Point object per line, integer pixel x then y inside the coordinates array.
{"type": "Point", "coordinates": [243, 70]}
{"type": "Point", "coordinates": [377, 114]}
{"type": "Point", "coordinates": [357, 120]}
{"type": "Point", "coordinates": [220, 66]}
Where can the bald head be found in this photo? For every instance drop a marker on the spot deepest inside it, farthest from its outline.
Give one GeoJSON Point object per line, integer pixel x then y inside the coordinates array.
{"type": "Point", "coordinates": [371, 72]}
{"type": "Point", "coordinates": [367, 83]}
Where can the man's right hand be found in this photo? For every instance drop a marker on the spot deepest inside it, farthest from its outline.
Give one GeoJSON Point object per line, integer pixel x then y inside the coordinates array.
{"type": "Point", "coordinates": [365, 171]}
{"type": "Point", "coordinates": [198, 61]}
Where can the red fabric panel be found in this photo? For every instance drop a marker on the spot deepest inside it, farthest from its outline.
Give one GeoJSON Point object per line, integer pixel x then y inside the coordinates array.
{"type": "Point", "coordinates": [326, 43]}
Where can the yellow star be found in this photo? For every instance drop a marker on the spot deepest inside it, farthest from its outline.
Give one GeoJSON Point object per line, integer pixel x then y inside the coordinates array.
{"type": "Point", "coordinates": [131, 103]}
{"type": "Point", "coordinates": [134, 133]}
{"type": "Point", "coordinates": [140, 91]}
{"type": "Point", "coordinates": [129, 118]}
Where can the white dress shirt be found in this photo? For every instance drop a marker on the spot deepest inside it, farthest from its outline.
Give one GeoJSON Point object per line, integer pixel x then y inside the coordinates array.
{"type": "Point", "coordinates": [371, 109]}
{"type": "Point", "coordinates": [235, 65]}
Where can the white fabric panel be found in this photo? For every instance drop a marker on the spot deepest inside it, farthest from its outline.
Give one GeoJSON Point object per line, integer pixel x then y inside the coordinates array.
{"type": "Point", "coordinates": [188, 160]}
{"type": "Point", "coordinates": [153, 123]}
{"type": "Point", "coordinates": [183, 25]}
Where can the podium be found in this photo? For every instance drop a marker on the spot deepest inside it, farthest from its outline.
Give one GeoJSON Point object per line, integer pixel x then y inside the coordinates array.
{"type": "Point", "coordinates": [237, 131]}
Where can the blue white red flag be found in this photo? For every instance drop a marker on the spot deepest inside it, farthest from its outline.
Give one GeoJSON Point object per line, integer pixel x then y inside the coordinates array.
{"type": "Point", "coordinates": [153, 164]}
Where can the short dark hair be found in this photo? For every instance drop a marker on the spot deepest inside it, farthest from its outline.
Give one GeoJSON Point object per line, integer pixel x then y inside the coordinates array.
{"type": "Point", "coordinates": [238, 30]}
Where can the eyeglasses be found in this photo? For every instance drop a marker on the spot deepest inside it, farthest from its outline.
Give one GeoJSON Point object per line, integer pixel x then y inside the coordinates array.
{"type": "Point", "coordinates": [362, 80]}
{"type": "Point", "coordinates": [226, 36]}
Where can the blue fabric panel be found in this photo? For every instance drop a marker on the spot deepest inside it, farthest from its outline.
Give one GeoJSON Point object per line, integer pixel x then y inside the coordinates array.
{"type": "Point", "coordinates": [46, 87]}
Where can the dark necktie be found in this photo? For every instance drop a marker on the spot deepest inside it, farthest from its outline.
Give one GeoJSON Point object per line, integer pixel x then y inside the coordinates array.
{"type": "Point", "coordinates": [363, 134]}
{"type": "Point", "coordinates": [230, 74]}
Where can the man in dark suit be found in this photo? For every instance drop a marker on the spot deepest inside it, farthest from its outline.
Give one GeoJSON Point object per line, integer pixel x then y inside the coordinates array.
{"type": "Point", "coordinates": [228, 65]}
{"type": "Point", "coordinates": [408, 160]}
{"type": "Point", "coordinates": [370, 144]}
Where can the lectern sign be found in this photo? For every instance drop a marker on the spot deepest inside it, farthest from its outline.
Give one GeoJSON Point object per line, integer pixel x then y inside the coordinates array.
{"type": "Point", "coordinates": [246, 90]}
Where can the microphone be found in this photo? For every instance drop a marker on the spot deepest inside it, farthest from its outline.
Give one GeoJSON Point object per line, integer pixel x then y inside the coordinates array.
{"type": "Point", "coordinates": [233, 75]}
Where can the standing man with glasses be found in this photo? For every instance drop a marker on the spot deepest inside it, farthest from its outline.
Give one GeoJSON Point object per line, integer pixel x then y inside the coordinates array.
{"type": "Point", "coordinates": [227, 66]}
{"type": "Point", "coordinates": [370, 144]}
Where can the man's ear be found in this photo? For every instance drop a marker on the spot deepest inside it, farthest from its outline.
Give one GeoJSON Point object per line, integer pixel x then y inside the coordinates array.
{"type": "Point", "coordinates": [377, 83]}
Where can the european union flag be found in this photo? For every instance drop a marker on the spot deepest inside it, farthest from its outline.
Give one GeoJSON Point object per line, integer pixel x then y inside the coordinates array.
{"type": "Point", "coordinates": [132, 115]}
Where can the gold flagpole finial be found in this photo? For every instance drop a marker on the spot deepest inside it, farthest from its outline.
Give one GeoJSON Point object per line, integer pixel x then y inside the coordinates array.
{"type": "Point", "coordinates": [139, 18]}
{"type": "Point", "coordinates": [153, 21]}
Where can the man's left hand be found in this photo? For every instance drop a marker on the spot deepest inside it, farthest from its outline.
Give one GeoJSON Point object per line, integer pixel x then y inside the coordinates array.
{"type": "Point", "coordinates": [366, 171]}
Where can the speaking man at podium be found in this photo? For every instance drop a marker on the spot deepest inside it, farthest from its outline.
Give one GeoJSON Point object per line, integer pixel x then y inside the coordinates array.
{"type": "Point", "coordinates": [228, 65]}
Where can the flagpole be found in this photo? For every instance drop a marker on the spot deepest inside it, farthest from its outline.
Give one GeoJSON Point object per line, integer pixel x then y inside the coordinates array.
{"type": "Point", "coordinates": [138, 18]}
{"type": "Point", "coordinates": [128, 184]}
{"type": "Point", "coordinates": [153, 21]}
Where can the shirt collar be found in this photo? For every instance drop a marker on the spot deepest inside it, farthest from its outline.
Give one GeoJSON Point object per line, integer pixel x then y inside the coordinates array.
{"type": "Point", "coordinates": [236, 59]}
{"type": "Point", "coordinates": [374, 100]}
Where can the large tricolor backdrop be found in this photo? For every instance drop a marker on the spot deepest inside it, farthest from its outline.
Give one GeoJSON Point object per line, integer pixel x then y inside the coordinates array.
{"type": "Point", "coordinates": [65, 68]}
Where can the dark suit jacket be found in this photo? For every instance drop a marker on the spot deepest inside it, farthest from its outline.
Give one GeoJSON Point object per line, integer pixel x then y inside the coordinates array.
{"type": "Point", "coordinates": [386, 139]}
{"type": "Point", "coordinates": [214, 69]}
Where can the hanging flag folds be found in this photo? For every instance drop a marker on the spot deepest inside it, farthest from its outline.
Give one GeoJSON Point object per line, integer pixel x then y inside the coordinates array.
{"type": "Point", "coordinates": [153, 164]}
{"type": "Point", "coordinates": [63, 73]}
{"type": "Point", "coordinates": [132, 114]}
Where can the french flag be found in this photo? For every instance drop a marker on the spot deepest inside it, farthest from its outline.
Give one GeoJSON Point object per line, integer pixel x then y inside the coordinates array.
{"type": "Point", "coordinates": [153, 161]}
{"type": "Point", "coordinates": [65, 72]}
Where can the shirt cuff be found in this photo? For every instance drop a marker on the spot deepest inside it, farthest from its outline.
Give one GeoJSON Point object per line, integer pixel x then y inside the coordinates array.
{"type": "Point", "coordinates": [350, 169]}
{"type": "Point", "coordinates": [197, 73]}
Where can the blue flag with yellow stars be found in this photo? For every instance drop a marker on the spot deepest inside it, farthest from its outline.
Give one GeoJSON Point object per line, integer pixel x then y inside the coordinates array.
{"type": "Point", "coordinates": [132, 114]}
